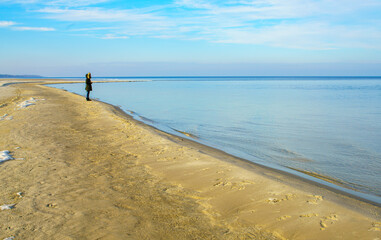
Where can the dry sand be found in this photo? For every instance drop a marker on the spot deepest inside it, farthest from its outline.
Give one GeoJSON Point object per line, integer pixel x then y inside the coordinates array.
{"type": "Point", "coordinates": [85, 170]}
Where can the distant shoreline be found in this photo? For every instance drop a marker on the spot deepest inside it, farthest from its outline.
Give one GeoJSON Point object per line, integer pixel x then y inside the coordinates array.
{"type": "Point", "coordinates": [19, 76]}
{"type": "Point", "coordinates": [6, 76]}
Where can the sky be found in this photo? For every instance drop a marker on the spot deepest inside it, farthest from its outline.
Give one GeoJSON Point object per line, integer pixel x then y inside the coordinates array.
{"type": "Point", "coordinates": [67, 38]}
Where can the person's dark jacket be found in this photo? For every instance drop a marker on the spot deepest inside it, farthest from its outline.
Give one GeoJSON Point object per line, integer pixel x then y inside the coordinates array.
{"type": "Point", "coordinates": [88, 84]}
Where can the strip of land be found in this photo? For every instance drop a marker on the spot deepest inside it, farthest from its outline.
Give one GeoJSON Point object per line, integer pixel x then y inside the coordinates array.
{"type": "Point", "coordinates": [85, 170]}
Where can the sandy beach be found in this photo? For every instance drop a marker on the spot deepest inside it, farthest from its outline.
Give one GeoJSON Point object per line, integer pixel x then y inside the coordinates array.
{"type": "Point", "coordinates": [86, 170]}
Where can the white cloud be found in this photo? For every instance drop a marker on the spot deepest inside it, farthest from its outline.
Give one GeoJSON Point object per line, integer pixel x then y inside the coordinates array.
{"type": "Point", "coordinates": [42, 29]}
{"type": "Point", "coordinates": [112, 36]}
{"type": "Point", "coordinates": [309, 35]}
{"type": "Point", "coordinates": [194, 4]}
{"type": "Point", "coordinates": [75, 3]}
{"type": "Point", "coordinates": [96, 15]}
{"type": "Point", "coordinates": [6, 23]}
{"type": "Point", "coordinates": [66, 3]}
{"type": "Point", "coordinates": [311, 24]}
{"type": "Point", "coordinates": [20, 1]}
{"type": "Point", "coordinates": [307, 24]}
{"type": "Point", "coordinates": [114, 21]}
{"type": "Point", "coordinates": [23, 28]}
{"type": "Point", "coordinates": [92, 29]}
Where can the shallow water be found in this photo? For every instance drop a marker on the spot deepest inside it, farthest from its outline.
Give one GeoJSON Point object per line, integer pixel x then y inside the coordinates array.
{"type": "Point", "coordinates": [329, 126]}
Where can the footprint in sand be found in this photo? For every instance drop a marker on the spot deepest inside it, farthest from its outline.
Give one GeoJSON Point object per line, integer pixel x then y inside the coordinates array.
{"type": "Point", "coordinates": [163, 159]}
{"type": "Point", "coordinates": [124, 206]}
{"type": "Point", "coordinates": [233, 185]}
{"type": "Point", "coordinates": [51, 205]}
{"type": "Point", "coordinates": [283, 217]}
{"type": "Point", "coordinates": [173, 189]}
{"type": "Point", "coordinates": [117, 188]}
{"type": "Point", "coordinates": [290, 196]}
{"type": "Point", "coordinates": [229, 184]}
{"type": "Point", "coordinates": [333, 217]}
{"type": "Point", "coordinates": [315, 199]}
{"type": "Point", "coordinates": [328, 220]}
{"type": "Point", "coordinates": [278, 200]}
{"type": "Point", "coordinates": [167, 159]}
{"type": "Point", "coordinates": [238, 186]}
{"type": "Point", "coordinates": [274, 200]}
{"type": "Point", "coordinates": [222, 183]}
{"type": "Point", "coordinates": [131, 155]}
{"type": "Point", "coordinates": [323, 226]}
{"type": "Point", "coordinates": [308, 215]}
{"type": "Point", "coordinates": [376, 227]}
{"type": "Point", "coordinates": [159, 151]}
{"type": "Point", "coordinates": [181, 149]}
{"type": "Point", "coordinates": [241, 185]}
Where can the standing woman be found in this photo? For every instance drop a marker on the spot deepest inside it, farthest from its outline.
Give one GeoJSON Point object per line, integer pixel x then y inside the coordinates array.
{"type": "Point", "coordinates": [88, 86]}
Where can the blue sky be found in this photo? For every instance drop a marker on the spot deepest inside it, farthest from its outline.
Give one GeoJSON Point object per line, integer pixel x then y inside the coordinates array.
{"type": "Point", "coordinates": [190, 37]}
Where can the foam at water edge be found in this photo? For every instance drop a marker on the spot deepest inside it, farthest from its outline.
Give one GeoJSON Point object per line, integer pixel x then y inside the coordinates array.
{"type": "Point", "coordinates": [5, 156]}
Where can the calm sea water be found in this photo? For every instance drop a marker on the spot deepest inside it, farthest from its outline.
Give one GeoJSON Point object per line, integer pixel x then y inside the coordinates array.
{"type": "Point", "coordinates": [329, 126]}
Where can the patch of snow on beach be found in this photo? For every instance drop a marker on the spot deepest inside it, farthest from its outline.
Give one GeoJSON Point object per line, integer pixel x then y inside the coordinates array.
{"type": "Point", "coordinates": [30, 102]}
{"type": "Point", "coordinates": [7, 207]}
{"type": "Point", "coordinates": [6, 117]}
{"type": "Point", "coordinates": [3, 117]}
{"type": "Point", "coordinates": [9, 238]}
{"type": "Point", "coordinates": [5, 156]}
{"type": "Point", "coordinates": [27, 103]}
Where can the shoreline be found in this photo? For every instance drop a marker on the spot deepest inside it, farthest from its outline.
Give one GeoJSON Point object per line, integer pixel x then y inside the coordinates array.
{"type": "Point", "coordinates": [334, 192]}
{"type": "Point", "coordinates": [240, 190]}
{"type": "Point", "coordinates": [321, 181]}
{"type": "Point", "coordinates": [325, 185]}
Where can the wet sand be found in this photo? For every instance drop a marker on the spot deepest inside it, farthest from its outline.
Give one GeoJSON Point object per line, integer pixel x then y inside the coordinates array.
{"type": "Point", "coordinates": [85, 170]}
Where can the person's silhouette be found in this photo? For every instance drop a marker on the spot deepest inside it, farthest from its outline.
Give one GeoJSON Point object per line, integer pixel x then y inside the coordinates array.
{"type": "Point", "coordinates": [88, 86]}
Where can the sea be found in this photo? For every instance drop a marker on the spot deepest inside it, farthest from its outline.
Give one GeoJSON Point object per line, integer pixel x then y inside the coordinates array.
{"type": "Point", "coordinates": [326, 129]}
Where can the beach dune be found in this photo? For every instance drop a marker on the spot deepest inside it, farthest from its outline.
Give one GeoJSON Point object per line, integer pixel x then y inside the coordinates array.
{"type": "Point", "coordinates": [86, 170]}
